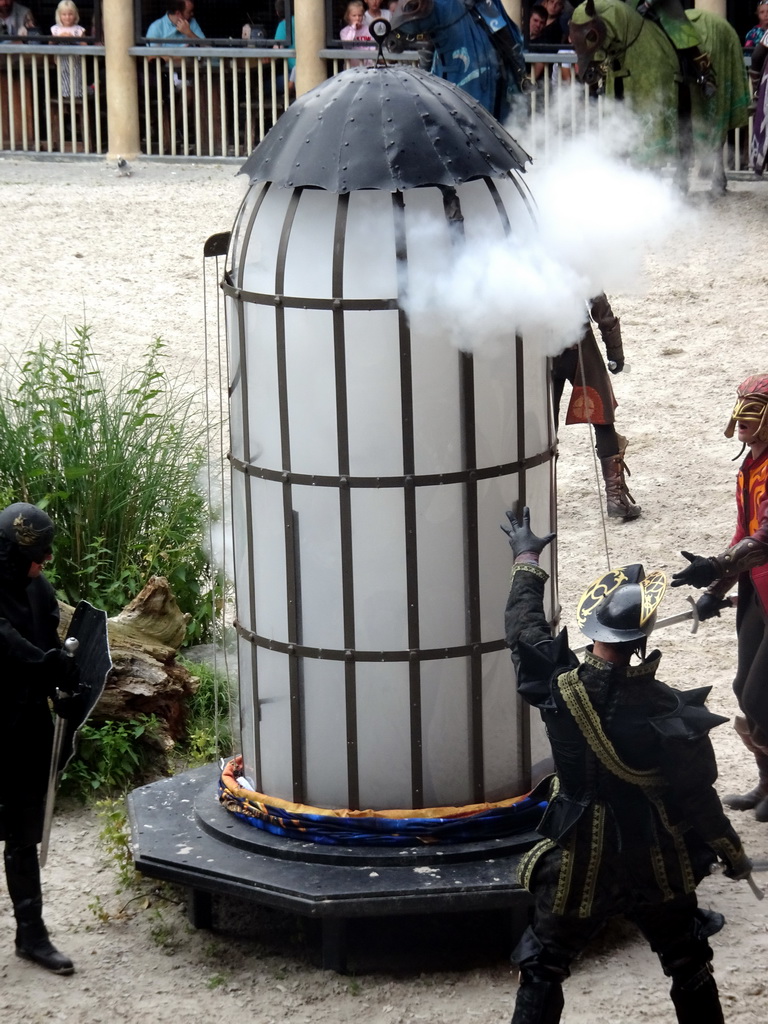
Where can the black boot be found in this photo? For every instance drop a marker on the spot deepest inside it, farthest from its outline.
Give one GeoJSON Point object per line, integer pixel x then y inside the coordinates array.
{"type": "Point", "coordinates": [22, 872]}
{"type": "Point", "coordinates": [538, 1002]}
{"type": "Point", "coordinates": [32, 942]}
{"type": "Point", "coordinates": [696, 999]}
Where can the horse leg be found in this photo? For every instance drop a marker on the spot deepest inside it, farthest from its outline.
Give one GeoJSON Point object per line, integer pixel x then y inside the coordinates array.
{"type": "Point", "coordinates": [684, 137]}
{"type": "Point", "coordinates": [719, 184]}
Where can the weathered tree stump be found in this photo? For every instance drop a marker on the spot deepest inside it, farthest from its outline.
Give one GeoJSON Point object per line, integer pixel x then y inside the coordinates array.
{"type": "Point", "coordinates": [145, 679]}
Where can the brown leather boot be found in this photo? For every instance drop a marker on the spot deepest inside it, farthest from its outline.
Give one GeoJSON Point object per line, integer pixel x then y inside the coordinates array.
{"type": "Point", "coordinates": [619, 502]}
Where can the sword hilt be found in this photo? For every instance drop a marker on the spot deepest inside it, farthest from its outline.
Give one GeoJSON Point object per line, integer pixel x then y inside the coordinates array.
{"type": "Point", "coordinates": [71, 645]}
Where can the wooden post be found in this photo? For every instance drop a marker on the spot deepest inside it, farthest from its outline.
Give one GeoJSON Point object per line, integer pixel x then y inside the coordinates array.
{"type": "Point", "coordinates": [514, 9]}
{"type": "Point", "coordinates": [122, 84]}
{"type": "Point", "coordinates": [713, 6]}
{"type": "Point", "coordinates": [310, 40]}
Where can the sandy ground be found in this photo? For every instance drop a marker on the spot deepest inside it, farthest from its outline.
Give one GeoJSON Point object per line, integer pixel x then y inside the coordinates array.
{"type": "Point", "coordinates": [125, 254]}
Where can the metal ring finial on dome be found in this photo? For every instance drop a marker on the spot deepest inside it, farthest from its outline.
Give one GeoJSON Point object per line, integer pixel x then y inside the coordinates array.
{"type": "Point", "coordinates": [380, 30]}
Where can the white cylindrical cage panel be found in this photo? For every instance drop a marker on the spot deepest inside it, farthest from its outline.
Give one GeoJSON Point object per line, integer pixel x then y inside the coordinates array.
{"type": "Point", "coordinates": [372, 464]}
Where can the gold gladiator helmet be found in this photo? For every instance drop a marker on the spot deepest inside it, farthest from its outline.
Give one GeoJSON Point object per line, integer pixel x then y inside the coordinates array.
{"type": "Point", "coordinates": [751, 405]}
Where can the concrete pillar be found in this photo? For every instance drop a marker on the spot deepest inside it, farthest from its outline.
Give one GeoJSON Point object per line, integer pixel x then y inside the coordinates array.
{"type": "Point", "coordinates": [310, 40]}
{"type": "Point", "coordinates": [714, 6]}
{"type": "Point", "coordinates": [122, 84]}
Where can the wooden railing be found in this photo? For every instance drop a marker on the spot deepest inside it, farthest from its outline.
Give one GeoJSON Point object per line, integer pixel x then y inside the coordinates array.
{"type": "Point", "coordinates": [218, 103]}
{"type": "Point", "coordinates": [52, 99]}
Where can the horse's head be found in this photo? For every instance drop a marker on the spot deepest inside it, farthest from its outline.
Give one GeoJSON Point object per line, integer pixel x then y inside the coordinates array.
{"type": "Point", "coordinates": [408, 16]}
{"type": "Point", "coordinates": [587, 33]}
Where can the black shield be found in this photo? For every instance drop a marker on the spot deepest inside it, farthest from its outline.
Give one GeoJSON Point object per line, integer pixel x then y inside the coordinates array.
{"type": "Point", "coordinates": [89, 628]}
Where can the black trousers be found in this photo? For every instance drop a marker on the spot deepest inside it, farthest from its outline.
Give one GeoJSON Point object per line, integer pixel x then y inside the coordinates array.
{"type": "Point", "coordinates": [751, 682]}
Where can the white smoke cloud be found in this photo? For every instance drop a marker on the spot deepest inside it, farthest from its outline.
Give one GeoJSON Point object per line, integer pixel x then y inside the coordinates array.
{"type": "Point", "coordinates": [597, 217]}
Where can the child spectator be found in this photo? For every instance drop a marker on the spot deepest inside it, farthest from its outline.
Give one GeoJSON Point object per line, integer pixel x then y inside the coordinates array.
{"type": "Point", "coordinates": [68, 26]}
{"type": "Point", "coordinates": [755, 35]}
{"type": "Point", "coordinates": [355, 30]}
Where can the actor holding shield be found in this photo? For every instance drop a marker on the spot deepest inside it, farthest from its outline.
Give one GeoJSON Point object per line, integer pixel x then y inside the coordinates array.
{"type": "Point", "coordinates": [35, 667]}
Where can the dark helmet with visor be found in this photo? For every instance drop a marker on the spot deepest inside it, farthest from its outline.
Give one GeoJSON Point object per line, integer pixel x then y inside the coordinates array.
{"type": "Point", "coordinates": [26, 536]}
{"type": "Point", "coordinates": [620, 606]}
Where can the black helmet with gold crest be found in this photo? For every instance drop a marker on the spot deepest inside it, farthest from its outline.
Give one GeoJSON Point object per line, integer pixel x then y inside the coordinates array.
{"type": "Point", "coordinates": [621, 605]}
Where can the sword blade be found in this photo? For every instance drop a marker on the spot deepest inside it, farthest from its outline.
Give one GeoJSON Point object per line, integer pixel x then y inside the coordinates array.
{"type": "Point", "coordinates": [759, 894]}
{"type": "Point", "coordinates": [53, 785]}
{"type": "Point", "coordinates": [71, 645]}
{"type": "Point", "coordinates": [671, 620]}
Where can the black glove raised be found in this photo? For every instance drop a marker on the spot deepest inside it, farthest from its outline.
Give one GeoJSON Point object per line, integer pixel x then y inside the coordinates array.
{"type": "Point", "coordinates": [700, 573]}
{"type": "Point", "coordinates": [709, 606]}
{"type": "Point", "coordinates": [62, 670]}
{"type": "Point", "coordinates": [521, 538]}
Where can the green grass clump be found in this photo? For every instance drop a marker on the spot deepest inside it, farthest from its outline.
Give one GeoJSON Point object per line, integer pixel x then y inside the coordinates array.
{"type": "Point", "coordinates": [208, 732]}
{"type": "Point", "coordinates": [115, 461]}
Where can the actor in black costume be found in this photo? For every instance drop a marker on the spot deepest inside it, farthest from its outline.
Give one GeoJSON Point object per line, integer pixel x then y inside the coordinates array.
{"type": "Point", "coordinates": [34, 668]}
{"type": "Point", "coordinates": [633, 823]}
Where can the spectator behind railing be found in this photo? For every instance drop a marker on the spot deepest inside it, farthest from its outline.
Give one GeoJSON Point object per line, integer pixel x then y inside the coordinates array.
{"type": "Point", "coordinates": [68, 27]}
{"type": "Point", "coordinates": [355, 30]}
{"type": "Point", "coordinates": [553, 30]}
{"type": "Point", "coordinates": [550, 35]}
{"type": "Point", "coordinates": [536, 21]}
{"type": "Point", "coordinates": [755, 35]}
{"type": "Point", "coordinates": [17, 20]}
{"type": "Point", "coordinates": [375, 11]}
{"type": "Point", "coordinates": [177, 24]}
{"type": "Point", "coordinates": [281, 37]}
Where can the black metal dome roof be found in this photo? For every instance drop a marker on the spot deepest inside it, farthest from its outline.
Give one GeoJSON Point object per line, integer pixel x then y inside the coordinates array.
{"type": "Point", "coordinates": [388, 128]}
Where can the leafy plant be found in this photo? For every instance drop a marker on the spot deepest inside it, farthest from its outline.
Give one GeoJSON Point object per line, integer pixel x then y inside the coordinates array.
{"type": "Point", "coordinates": [99, 911]}
{"type": "Point", "coordinates": [116, 464]}
{"type": "Point", "coordinates": [109, 757]}
{"type": "Point", "coordinates": [114, 837]}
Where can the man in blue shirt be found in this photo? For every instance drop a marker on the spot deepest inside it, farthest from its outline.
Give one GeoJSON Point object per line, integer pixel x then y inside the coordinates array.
{"type": "Point", "coordinates": [178, 23]}
{"type": "Point", "coordinates": [281, 37]}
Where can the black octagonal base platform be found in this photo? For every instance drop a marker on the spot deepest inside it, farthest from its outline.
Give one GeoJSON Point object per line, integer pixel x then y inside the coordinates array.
{"type": "Point", "coordinates": [180, 833]}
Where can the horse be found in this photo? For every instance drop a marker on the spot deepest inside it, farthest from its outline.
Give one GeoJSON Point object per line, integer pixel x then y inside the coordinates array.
{"type": "Point", "coordinates": [632, 58]}
{"type": "Point", "coordinates": [477, 46]}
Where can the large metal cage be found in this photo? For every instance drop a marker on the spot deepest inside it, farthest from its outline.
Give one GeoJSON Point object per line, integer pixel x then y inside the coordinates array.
{"type": "Point", "coordinates": [372, 462]}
